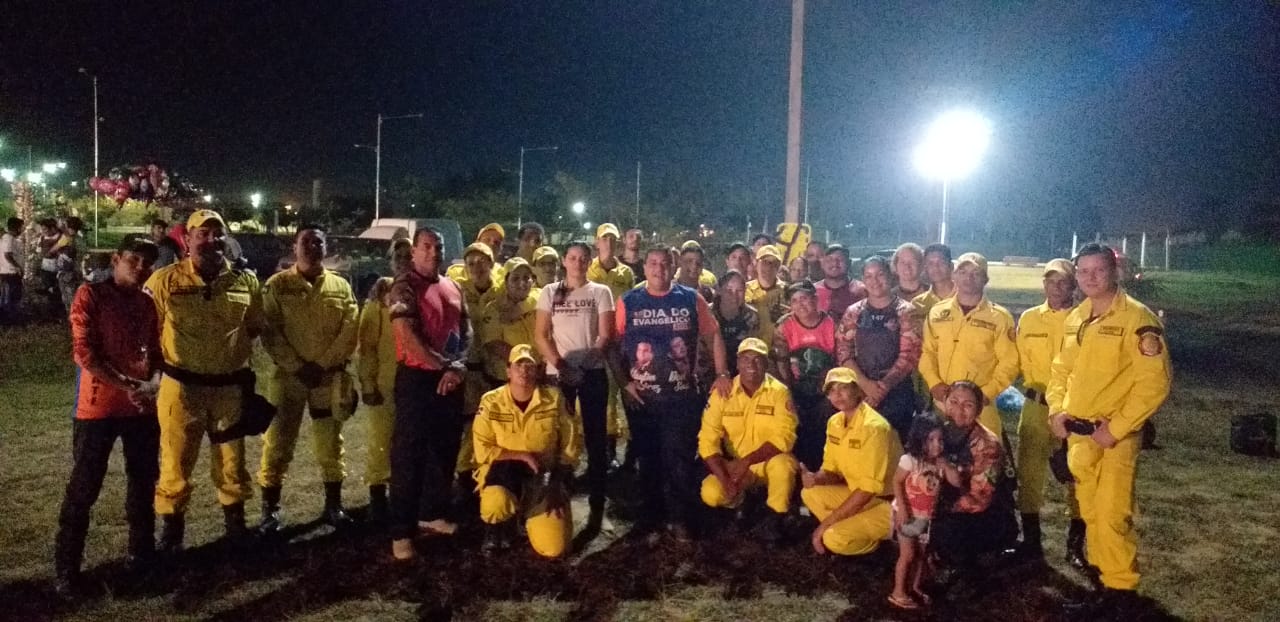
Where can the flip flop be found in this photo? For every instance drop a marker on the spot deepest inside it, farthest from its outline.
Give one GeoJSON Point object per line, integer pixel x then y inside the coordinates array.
{"type": "Point", "coordinates": [907, 603]}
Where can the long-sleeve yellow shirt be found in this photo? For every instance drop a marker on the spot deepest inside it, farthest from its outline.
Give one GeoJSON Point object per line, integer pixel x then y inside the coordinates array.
{"type": "Point", "coordinates": [543, 428]}
{"type": "Point", "coordinates": [743, 423]}
{"type": "Point", "coordinates": [309, 322]}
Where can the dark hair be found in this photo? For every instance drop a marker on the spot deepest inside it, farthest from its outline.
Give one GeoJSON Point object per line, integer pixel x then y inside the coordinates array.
{"type": "Point", "coordinates": [139, 246]}
{"type": "Point", "coordinates": [768, 239]}
{"type": "Point", "coordinates": [804, 285]}
{"type": "Point", "coordinates": [14, 221]}
{"type": "Point", "coordinates": [837, 248]}
{"type": "Point", "coordinates": [530, 226]}
{"type": "Point", "coordinates": [941, 249]}
{"type": "Point", "coordinates": [160, 223]}
{"type": "Point", "coordinates": [428, 231]}
{"type": "Point", "coordinates": [876, 259]}
{"type": "Point", "coordinates": [311, 226]}
{"type": "Point", "coordinates": [48, 222]}
{"type": "Point", "coordinates": [922, 425]}
{"type": "Point", "coordinates": [736, 246]}
{"type": "Point", "coordinates": [1094, 248]}
{"type": "Point", "coordinates": [75, 223]}
{"type": "Point", "coordinates": [970, 386]}
{"type": "Point", "coordinates": [665, 251]}
{"type": "Point", "coordinates": [582, 244]}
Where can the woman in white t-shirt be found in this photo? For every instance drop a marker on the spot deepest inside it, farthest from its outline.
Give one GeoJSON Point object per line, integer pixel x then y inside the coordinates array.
{"type": "Point", "coordinates": [573, 327]}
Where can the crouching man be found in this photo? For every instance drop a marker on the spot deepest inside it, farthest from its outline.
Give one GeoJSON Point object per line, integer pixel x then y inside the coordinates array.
{"type": "Point", "coordinates": [526, 447]}
{"type": "Point", "coordinates": [746, 440]}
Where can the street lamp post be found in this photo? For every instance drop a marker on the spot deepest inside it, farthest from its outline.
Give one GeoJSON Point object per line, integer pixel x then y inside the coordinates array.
{"type": "Point", "coordinates": [377, 161]}
{"type": "Point", "coordinates": [951, 150]}
{"type": "Point", "coordinates": [94, 77]}
{"type": "Point", "coordinates": [520, 183]}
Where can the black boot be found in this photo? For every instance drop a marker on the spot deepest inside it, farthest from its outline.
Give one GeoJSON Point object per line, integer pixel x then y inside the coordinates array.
{"type": "Point", "coordinates": [770, 528]}
{"type": "Point", "coordinates": [1030, 548]}
{"type": "Point", "coordinates": [1075, 545]}
{"type": "Point", "coordinates": [379, 509]}
{"type": "Point", "coordinates": [334, 515]}
{"type": "Point", "coordinates": [172, 529]}
{"type": "Point", "coordinates": [233, 522]}
{"type": "Point", "coordinates": [498, 538]}
{"type": "Point", "coordinates": [1104, 602]}
{"type": "Point", "coordinates": [272, 516]}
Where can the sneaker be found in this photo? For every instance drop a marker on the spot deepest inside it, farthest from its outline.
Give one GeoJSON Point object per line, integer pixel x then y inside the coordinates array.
{"type": "Point", "coordinates": [437, 527]}
{"type": "Point", "coordinates": [402, 550]}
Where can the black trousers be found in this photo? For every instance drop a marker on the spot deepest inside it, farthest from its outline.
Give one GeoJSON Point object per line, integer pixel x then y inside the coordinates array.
{"type": "Point", "coordinates": [899, 406]}
{"type": "Point", "coordinates": [91, 443]}
{"type": "Point", "coordinates": [664, 436]}
{"type": "Point", "coordinates": [813, 412]}
{"type": "Point", "coordinates": [594, 395]}
{"type": "Point", "coordinates": [424, 449]}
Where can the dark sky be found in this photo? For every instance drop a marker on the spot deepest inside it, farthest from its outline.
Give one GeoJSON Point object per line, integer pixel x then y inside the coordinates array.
{"type": "Point", "coordinates": [1147, 108]}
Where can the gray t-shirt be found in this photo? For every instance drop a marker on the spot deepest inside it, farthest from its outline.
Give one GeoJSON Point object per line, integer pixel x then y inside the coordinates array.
{"type": "Point", "coordinates": [575, 321]}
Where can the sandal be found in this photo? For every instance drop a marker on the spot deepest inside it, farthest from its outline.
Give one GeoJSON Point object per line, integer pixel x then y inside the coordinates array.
{"type": "Point", "coordinates": [903, 603]}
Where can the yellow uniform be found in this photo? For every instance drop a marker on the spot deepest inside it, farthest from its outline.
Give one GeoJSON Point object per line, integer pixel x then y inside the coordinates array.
{"type": "Point", "coordinates": [376, 367]}
{"type": "Point", "coordinates": [308, 323]}
{"type": "Point", "coordinates": [206, 329]}
{"type": "Point", "coordinates": [925, 302]}
{"type": "Point", "coordinates": [865, 452]}
{"type": "Point", "coordinates": [1114, 368]}
{"type": "Point", "coordinates": [741, 424]}
{"type": "Point", "coordinates": [458, 272]}
{"type": "Point", "coordinates": [770, 303]}
{"type": "Point", "coordinates": [543, 428]}
{"type": "Point", "coordinates": [978, 347]}
{"type": "Point", "coordinates": [1040, 332]}
{"type": "Point", "coordinates": [474, 384]}
{"type": "Point", "coordinates": [506, 324]}
{"type": "Point", "coordinates": [620, 279]}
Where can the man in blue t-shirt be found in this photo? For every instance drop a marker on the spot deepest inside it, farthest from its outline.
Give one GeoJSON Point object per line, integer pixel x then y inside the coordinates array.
{"type": "Point", "coordinates": [657, 328]}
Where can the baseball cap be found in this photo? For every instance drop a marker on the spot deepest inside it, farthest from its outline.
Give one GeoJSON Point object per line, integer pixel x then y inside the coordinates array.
{"type": "Point", "coordinates": [751, 344]}
{"type": "Point", "coordinates": [691, 245]}
{"type": "Point", "coordinates": [515, 263]}
{"type": "Point", "coordinates": [544, 252]}
{"type": "Point", "coordinates": [201, 216]}
{"type": "Point", "coordinates": [522, 352]}
{"type": "Point", "coordinates": [768, 251]}
{"type": "Point", "coordinates": [493, 226]}
{"type": "Point", "coordinates": [479, 247]}
{"type": "Point", "coordinates": [973, 258]}
{"type": "Point", "coordinates": [1061, 266]}
{"type": "Point", "coordinates": [607, 228]}
{"type": "Point", "coordinates": [735, 246]}
{"type": "Point", "coordinates": [842, 375]}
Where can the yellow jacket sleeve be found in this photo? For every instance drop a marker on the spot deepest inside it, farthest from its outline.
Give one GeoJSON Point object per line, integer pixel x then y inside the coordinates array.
{"type": "Point", "coordinates": [273, 338]}
{"type": "Point", "coordinates": [1151, 374]}
{"type": "Point", "coordinates": [929, 356]}
{"type": "Point", "coordinates": [484, 440]}
{"type": "Point", "coordinates": [785, 421]}
{"type": "Point", "coordinates": [344, 345]}
{"type": "Point", "coordinates": [1007, 366]}
{"type": "Point", "coordinates": [712, 432]}
{"type": "Point", "coordinates": [369, 338]}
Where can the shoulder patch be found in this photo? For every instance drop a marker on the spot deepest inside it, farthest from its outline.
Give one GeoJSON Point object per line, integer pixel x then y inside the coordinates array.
{"type": "Point", "coordinates": [1150, 341]}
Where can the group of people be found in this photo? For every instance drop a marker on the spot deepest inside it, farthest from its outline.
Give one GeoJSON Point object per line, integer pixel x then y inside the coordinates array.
{"type": "Point", "coordinates": [500, 375]}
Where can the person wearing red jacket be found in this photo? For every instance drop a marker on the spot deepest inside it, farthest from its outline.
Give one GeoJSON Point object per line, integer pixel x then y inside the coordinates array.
{"type": "Point", "coordinates": [116, 345]}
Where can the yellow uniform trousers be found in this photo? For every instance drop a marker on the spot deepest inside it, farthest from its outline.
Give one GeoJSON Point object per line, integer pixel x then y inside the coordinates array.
{"type": "Point", "coordinates": [1035, 444]}
{"type": "Point", "coordinates": [548, 535]}
{"type": "Point", "coordinates": [857, 535]}
{"type": "Point", "coordinates": [291, 397]}
{"type": "Point", "coordinates": [186, 413]}
{"type": "Point", "coordinates": [777, 475]}
{"type": "Point", "coordinates": [1104, 489]}
{"type": "Point", "coordinates": [379, 422]}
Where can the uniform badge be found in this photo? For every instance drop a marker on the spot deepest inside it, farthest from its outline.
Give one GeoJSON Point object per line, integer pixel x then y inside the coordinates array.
{"type": "Point", "coordinates": [1149, 343]}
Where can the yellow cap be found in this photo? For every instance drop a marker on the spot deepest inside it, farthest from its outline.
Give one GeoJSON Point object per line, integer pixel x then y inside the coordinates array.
{"type": "Point", "coordinates": [768, 251]}
{"type": "Point", "coordinates": [973, 258]}
{"type": "Point", "coordinates": [479, 247]}
{"type": "Point", "coordinates": [515, 263]}
{"type": "Point", "coordinates": [201, 216]}
{"type": "Point", "coordinates": [493, 226]}
{"type": "Point", "coordinates": [522, 352]}
{"type": "Point", "coordinates": [691, 245]}
{"type": "Point", "coordinates": [842, 375]}
{"type": "Point", "coordinates": [607, 228]}
{"type": "Point", "coordinates": [1061, 266]}
{"type": "Point", "coordinates": [544, 252]}
{"type": "Point", "coordinates": [751, 344]}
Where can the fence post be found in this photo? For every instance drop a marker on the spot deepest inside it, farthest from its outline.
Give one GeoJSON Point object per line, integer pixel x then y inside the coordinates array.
{"type": "Point", "coordinates": [1142, 253]}
{"type": "Point", "coordinates": [1075, 242]}
{"type": "Point", "coordinates": [1166, 250]}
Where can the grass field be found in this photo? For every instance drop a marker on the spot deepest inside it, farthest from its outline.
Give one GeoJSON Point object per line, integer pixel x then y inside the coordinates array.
{"type": "Point", "coordinates": [1210, 539]}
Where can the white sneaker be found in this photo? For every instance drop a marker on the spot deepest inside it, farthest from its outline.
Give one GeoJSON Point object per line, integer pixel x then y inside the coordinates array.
{"type": "Point", "coordinates": [437, 527]}
{"type": "Point", "coordinates": [402, 550]}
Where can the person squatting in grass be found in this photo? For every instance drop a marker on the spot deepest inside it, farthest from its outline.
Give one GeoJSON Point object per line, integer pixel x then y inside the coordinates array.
{"type": "Point", "coordinates": [116, 348]}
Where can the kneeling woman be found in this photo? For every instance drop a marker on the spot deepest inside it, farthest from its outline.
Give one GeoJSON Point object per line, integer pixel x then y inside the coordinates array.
{"type": "Point", "coordinates": [851, 493]}
{"type": "Point", "coordinates": [526, 447]}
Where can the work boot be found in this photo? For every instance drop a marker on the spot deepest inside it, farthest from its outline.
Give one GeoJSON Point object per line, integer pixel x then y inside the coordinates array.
{"type": "Point", "coordinates": [498, 538]}
{"type": "Point", "coordinates": [172, 529]}
{"type": "Point", "coordinates": [272, 516]}
{"type": "Point", "coordinates": [1075, 545]}
{"type": "Point", "coordinates": [1108, 602]}
{"type": "Point", "coordinates": [379, 508]}
{"type": "Point", "coordinates": [334, 515]}
{"type": "Point", "coordinates": [1031, 547]}
{"type": "Point", "coordinates": [770, 528]}
{"type": "Point", "coordinates": [66, 586]}
{"type": "Point", "coordinates": [233, 521]}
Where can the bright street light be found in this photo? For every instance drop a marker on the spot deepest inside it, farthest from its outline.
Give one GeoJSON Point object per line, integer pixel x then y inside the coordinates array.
{"type": "Point", "coordinates": [586, 226]}
{"type": "Point", "coordinates": [208, 198]}
{"type": "Point", "coordinates": [255, 199]}
{"type": "Point", "coordinates": [35, 178]}
{"type": "Point", "coordinates": [52, 168]}
{"type": "Point", "coordinates": [8, 174]}
{"type": "Point", "coordinates": [579, 208]}
{"type": "Point", "coordinates": [952, 148]}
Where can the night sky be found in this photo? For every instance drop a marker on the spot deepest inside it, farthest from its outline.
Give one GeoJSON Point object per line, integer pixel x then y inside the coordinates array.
{"type": "Point", "coordinates": [1146, 108]}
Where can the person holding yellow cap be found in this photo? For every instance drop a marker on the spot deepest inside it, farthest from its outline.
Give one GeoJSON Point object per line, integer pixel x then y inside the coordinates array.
{"type": "Point", "coordinates": [546, 266]}
{"type": "Point", "coordinates": [852, 492]}
{"type": "Point", "coordinates": [526, 448]}
{"type": "Point", "coordinates": [1041, 330]}
{"type": "Point", "coordinates": [1112, 374]}
{"type": "Point", "coordinates": [479, 289]}
{"type": "Point", "coordinates": [766, 292]}
{"type": "Point", "coordinates": [209, 316]}
{"type": "Point", "coordinates": [508, 320]}
{"type": "Point", "coordinates": [746, 440]}
{"type": "Point", "coordinates": [968, 337]}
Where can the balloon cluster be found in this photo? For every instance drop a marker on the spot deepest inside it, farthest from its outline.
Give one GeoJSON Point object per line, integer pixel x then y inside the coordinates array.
{"type": "Point", "coordinates": [141, 183]}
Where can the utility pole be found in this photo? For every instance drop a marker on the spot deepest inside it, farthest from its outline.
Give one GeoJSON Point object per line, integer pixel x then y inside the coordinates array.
{"type": "Point", "coordinates": [93, 77]}
{"type": "Point", "coordinates": [791, 206]}
{"type": "Point", "coordinates": [637, 221]}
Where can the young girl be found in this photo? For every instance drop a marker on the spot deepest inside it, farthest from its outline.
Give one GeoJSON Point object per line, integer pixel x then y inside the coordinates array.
{"type": "Point", "coordinates": [916, 485]}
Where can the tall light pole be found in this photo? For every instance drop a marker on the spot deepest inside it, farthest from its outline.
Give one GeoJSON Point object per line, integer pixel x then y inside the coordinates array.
{"type": "Point", "coordinates": [791, 204]}
{"type": "Point", "coordinates": [377, 161]}
{"type": "Point", "coordinates": [94, 77]}
{"type": "Point", "coordinates": [952, 147]}
{"type": "Point", "coordinates": [520, 183]}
